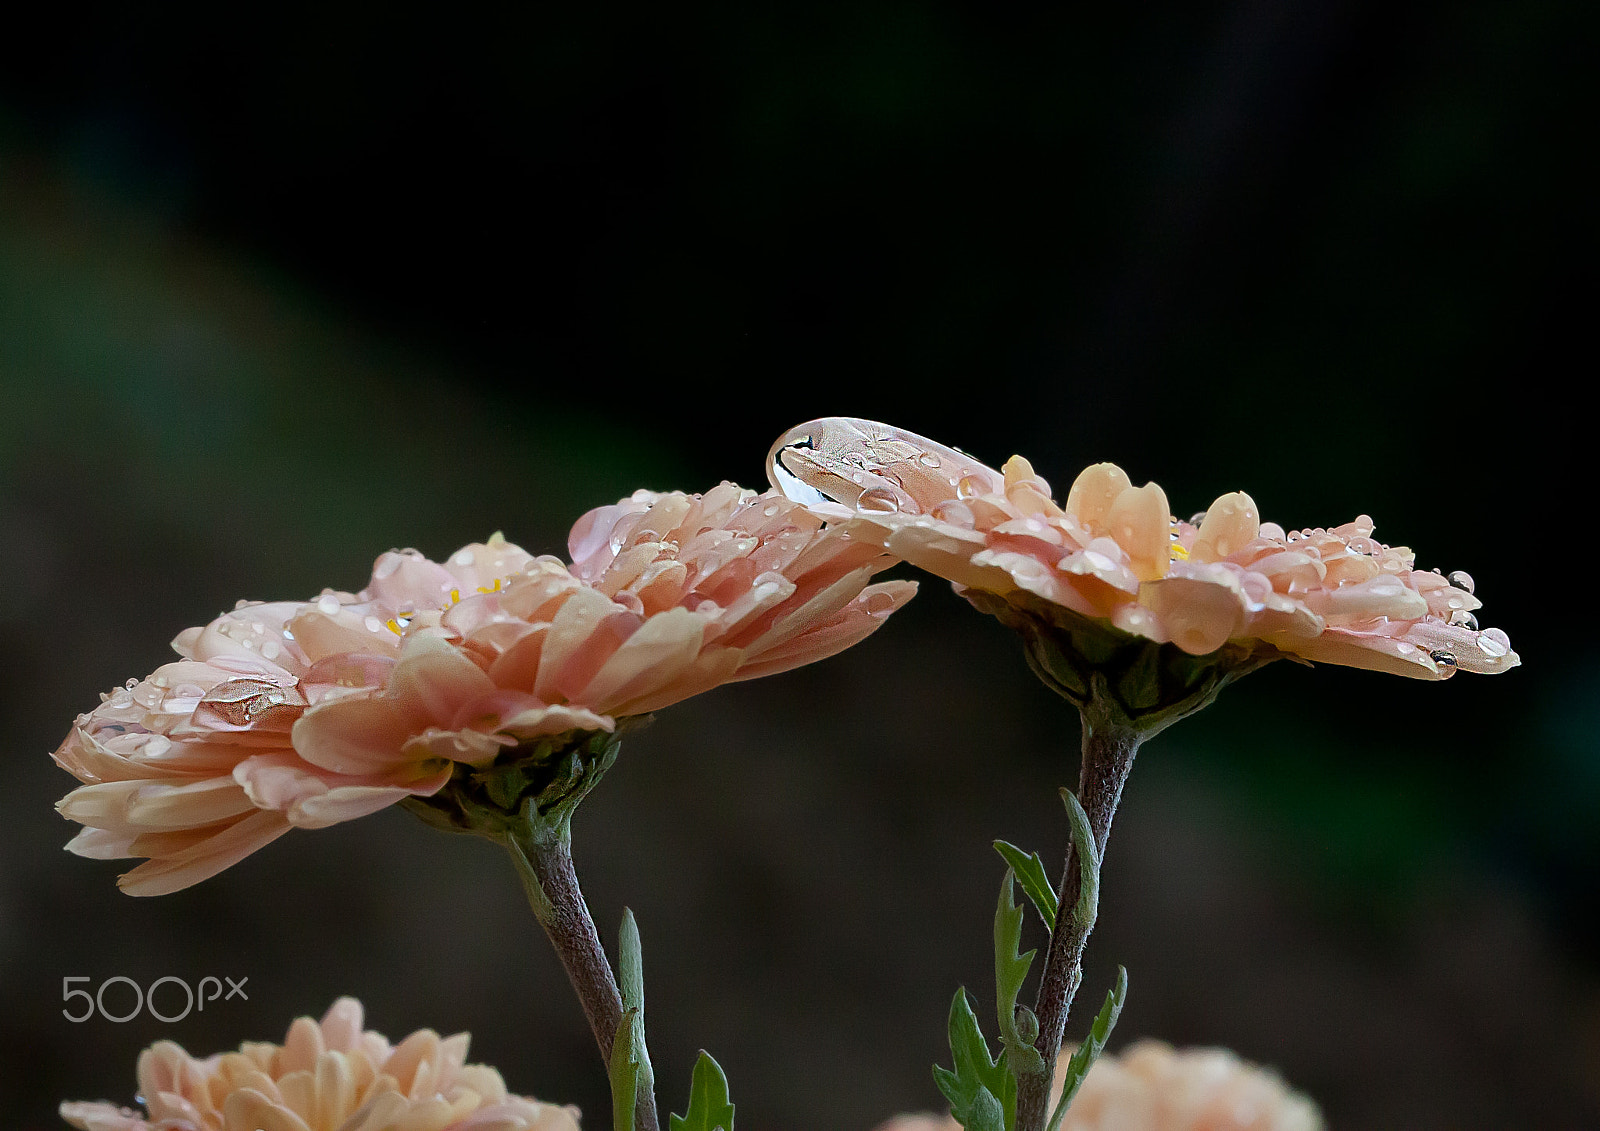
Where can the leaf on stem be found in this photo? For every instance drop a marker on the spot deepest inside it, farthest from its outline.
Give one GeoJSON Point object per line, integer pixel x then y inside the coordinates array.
{"type": "Point", "coordinates": [1093, 1045]}
{"type": "Point", "coordinates": [1088, 905]}
{"type": "Point", "coordinates": [976, 1074]}
{"type": "Point", "coordinates": [1010, 970]}
{"type": "Point", "coordinates": [630, 982]}
{"type": "Point", "coordinates": [1035, 882]}
{"type": "Point", "coordinates": [625, 1071]}
{"type": "Point", "coordinates": [709, 1109]}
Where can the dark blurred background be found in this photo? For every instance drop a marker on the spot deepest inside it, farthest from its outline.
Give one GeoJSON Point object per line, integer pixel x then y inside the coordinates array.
{"type": "Point", "coordinates": [281, 287]}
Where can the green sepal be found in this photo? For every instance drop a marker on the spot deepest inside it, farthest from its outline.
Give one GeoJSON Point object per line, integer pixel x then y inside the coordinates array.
{"type": "Point", "coordinates": [709, 1109]}
{"type": "Point", "coordinates": [1093, 1045]}
{"type": "Point", "coordinates": [1010, 970]}
{"type": "Point", "coordinates": [624, 1071]}
{"type": "Point", "coordinates": [1031, 875]}
{"type": "Point", "coordinates": [975, 1071]}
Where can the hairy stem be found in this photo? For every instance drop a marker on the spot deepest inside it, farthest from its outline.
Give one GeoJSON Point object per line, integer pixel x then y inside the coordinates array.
{"type": "Point", "coordinates": [544, 862]}
{"type": "Point", "coordinates": [1108, 752]}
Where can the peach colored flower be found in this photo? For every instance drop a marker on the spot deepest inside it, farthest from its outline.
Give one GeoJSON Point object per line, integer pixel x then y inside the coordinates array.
{"type": "Point", "coordinates": [327, 1076]}
{"type": "Point", "coordinates": [1112, 553]}
{"type": "Point", "coordinates": [1150, 1086]}
{"type": "Point", "coordinates": [304, 714]}
{"type": "Point", "coordinates": [669, 595]}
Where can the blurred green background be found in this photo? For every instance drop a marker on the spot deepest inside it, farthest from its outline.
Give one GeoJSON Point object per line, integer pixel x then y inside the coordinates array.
{"type": "Point", "coordinates": [282, 288]}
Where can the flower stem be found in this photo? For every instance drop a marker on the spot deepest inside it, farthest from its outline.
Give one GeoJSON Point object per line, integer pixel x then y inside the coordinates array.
{"type": "Point", "coordinates": [543, 859]}
{"type": "Point", "coordinates": [1108, 751]}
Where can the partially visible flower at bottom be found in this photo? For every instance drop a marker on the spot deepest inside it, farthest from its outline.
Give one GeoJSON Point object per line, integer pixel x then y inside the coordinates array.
{"type": "Point", "coordinates": [327, 1076]}
{"type": "Point", "coordinates": [1151, 1086]}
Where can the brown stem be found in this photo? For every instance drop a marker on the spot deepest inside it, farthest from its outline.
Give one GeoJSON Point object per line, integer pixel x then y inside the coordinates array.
{"type": "Point", "coordinates": [545, 865]}
{"type": "Point", "coordinates": [1108, 752]}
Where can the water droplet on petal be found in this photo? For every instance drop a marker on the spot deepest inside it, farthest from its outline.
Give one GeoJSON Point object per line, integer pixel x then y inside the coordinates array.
{"type": "Point", "coordinates": [1442, 658]}
{"type": "Point", "coordinates": [1463, 619]}
{"type": "Point", "coordinates": [328, 603]}
{"type": "Point", "coordinates": [967, 487]}
{"type": "Point", "coordinates": [878, 500]}
{"type": "Point", "coordinates": [1197, 518]}
{"type": "Point", "coordinates": [1494, 643]}
{"type": "Point", "coordinates": [130, 683]}
{"type": "Point", "coordinates": [373, 624]}
{"type": "Point", "coordinates": [464, 557]}
{"type": "Point", "coordinates": [270, 649]}
{"type": "Point", "coordinates": [928, 460]}
{"type": "Point", "coordinates": [1461, 579]}
{"type": "Point", "coordinates": [770, 509]}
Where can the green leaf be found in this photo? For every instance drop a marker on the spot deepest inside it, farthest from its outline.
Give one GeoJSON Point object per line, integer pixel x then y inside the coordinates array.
{"type": "Point", "coordinates": [1035, 882]}
{"type": "Point", "coordinates": [1088, 905]}
{"type": "Point", "coordinates": [987, 1114]}
{"type": "Point", "coordinates": [976, 1072]}
{"type": "Point", "coordinates": [624, 1072]}
{"type": "Point", "coordinates": [630, 981]}
{"type": "Point", "coordinates": [709, 1109]}
{"type": "Point", "coordinates": [630, 964]}
{"type": "Point", "coordinates": [1093, 1045]}
{"type": "Point", "coordinates": [1010, 970]}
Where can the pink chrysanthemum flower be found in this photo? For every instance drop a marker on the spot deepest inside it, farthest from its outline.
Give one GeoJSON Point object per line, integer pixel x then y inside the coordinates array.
{"type": "Point", "coordinates": [1113, 553]}
{"type": "Point", "coordinates": [1151, 1086]}
{"type": "Point", "coordinates": [304, 714]}
{"type": "Point", "coordinates": [327, 1076]}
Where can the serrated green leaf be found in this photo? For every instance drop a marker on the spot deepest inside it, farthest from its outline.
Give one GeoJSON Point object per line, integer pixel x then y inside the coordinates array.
{"type": "Point", "coordinates": [709, 1109]}
{"type": "Point", "coordinates": [1093, 1045]}
{"type": "Point", "coordinates": [624, 1072]}
{"type": "Point", "coordinates": [975, 1070]}
{"type": "Point", "coordinates": [1033, 878]}
{"type": "Point", "coordinates": [1010, 970]}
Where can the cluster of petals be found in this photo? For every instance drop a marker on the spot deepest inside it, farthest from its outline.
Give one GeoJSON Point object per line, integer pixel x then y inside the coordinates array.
{"type": "Point", "coordinates": [1151, 1086]}
{"type": "Point", "coordinates": [308, 713]}
{"type": "Point", "coordinates": [326, 1076]}
{"type": "Point", "coordinates": [1113, 552]}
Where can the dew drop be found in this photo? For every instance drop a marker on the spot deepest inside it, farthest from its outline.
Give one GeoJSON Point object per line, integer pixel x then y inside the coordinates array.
{"type": "Point", "coordinates": [967, 487]}
{"type": "Point", "coordinates": [130, 683]}
{"type": "Point", "coordinates": [464, 558]}
{"type": "Point", "coordinates": [878, 500]}
{"type": "Point", "coordinates": [1197, 518]}
{"type": "Point", "coordinates": [328, 604]}
{"type": "Point", "coordinates": [928, 460]}
{"type": "Point", "coordinates": [1463, 619]}
{"type": "Point", "coordinates": [373, 624]}
{"type": "Point", "coordinates": [1442, 658]}
{"type": "Point", "coordinates": [1494, 643]}
{"type": "Point", "coordinates": [270, 649]}
{"type": "Point", "coordinates": [770, 509]}
{"type": "Point", "coordinates": [1461, 579]}
{"type": "Point", "coordinates": [386, 566]}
